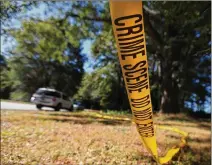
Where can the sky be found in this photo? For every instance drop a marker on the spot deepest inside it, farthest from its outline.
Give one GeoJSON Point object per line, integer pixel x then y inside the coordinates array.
{"type": "Point", "coordinates": [87, 50]}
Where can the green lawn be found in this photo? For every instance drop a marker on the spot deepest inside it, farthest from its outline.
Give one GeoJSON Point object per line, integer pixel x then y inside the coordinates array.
{"type": "Point", "coordinates": [48, 137]}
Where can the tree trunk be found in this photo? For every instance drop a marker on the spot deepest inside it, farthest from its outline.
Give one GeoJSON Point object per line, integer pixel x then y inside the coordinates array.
{"type": "Point", "coordinates": [170, 97]}
{"type": "Point", "coordinates": [119, 91]}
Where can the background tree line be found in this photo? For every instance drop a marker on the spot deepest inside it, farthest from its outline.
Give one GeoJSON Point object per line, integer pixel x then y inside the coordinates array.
{"type": "Point", "coordinates": [48, 52]}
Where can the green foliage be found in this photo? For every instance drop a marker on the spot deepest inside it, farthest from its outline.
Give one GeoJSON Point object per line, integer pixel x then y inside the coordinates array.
{"type": "Point", "coordinates": [47, 40]}
{"type": "Point", "coordinates": [4, 89]}
{"type": "Point", "coordinates": [11, 9]}
{"type": "Point", "coordinates": [20, 96]}
{"type": "Point", "coordinates": [47, 55]}
{"type": "Point", "coordinates": [101, 86]}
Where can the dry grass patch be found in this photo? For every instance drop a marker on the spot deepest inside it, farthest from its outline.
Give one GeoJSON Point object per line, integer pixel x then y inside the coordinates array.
{"type": "Point", "coordinates": [46, 137]}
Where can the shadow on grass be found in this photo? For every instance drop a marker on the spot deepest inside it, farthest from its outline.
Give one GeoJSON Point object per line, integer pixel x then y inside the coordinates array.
{"type": "Point", "coordinates": [182, 119]}
{"type": "Point", "coordinates": [74, 118]}
{"type": "Point", "coordinates": [192, 156]}
{"type": "Point", "coordinates": [78, 119]}
{"type": "Point", "coordinates": [74, 115]}
{"type": "Point", "coordinates": [199, 125]}
{"type": "Point", "coordinates": [187, 119]}
{"type": "Point", "coordinates": [206, 126]}
{"type": "Point", "coordinates": [189, 139]}
{"type": "Point", "coordinates": [87, 115]}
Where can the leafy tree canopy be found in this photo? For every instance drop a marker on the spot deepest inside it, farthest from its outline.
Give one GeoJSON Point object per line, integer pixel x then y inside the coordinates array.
{"type": "Point", "coordinates": [47, 54]}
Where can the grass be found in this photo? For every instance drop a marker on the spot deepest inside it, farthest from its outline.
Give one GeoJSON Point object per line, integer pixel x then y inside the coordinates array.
{"type": "Point", "coordinates": [48, 137]}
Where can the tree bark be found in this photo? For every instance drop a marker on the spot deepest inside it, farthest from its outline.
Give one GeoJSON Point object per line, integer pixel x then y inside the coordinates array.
{"type": "Point", "coordinates": [170, 97]}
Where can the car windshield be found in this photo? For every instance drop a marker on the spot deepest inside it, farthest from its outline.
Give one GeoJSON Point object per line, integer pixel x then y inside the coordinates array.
{"type": "Point", "coordinates": [48, 93]}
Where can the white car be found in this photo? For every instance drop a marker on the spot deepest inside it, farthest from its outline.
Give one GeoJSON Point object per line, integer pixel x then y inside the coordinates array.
{"type": "Point", "coordinates": [46, 97]}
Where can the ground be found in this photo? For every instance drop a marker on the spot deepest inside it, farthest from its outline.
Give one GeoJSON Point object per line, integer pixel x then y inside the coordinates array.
{"type": "Point", "coordinates": [48, 137]}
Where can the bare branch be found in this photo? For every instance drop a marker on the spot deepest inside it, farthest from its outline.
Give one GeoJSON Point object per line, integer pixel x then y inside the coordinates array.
{"type": "Point", "coordinates": [151, 31]}
{"type": "Point", "coordinates": [151, 12]}
{"type": "Point", "coordinates": [98, 19]}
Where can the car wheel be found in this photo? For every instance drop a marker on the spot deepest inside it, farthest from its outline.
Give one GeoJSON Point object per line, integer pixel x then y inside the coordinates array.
{"type": "Point", "coordinates": [38, 106]}
{"type": "Point", "coordinates": [57, 108]}
{"type": "Point", "coordinates": [71, 108]}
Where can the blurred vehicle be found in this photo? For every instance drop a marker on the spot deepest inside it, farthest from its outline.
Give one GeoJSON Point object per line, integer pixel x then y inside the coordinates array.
{"type": "Point", "coordinates": [46, 97]}
{"type": "Point", "coordinates": [78, 105]}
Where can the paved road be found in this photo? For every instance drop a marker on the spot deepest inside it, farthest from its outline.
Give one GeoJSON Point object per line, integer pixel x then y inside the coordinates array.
{"type": "Point", "coordinates": [17, 106]}
{"type": "Point", "coordinates": [8, 105]}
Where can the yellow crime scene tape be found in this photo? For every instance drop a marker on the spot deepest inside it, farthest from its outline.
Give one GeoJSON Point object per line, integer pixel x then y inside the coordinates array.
{"type": "Point", "coordinates": [128, 27]}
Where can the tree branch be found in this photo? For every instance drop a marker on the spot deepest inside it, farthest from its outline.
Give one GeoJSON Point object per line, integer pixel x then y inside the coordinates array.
{"type": "Point", "coordinates": [158, 42]}
{"type": "Point", "coordinates": [151, 12]}
{"type": "Point", "coordinates": [151, 31]}
{"type": "Point", "coordinates": [98, 19]}
{"type": "Point", "coordinates": [149, 28]}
